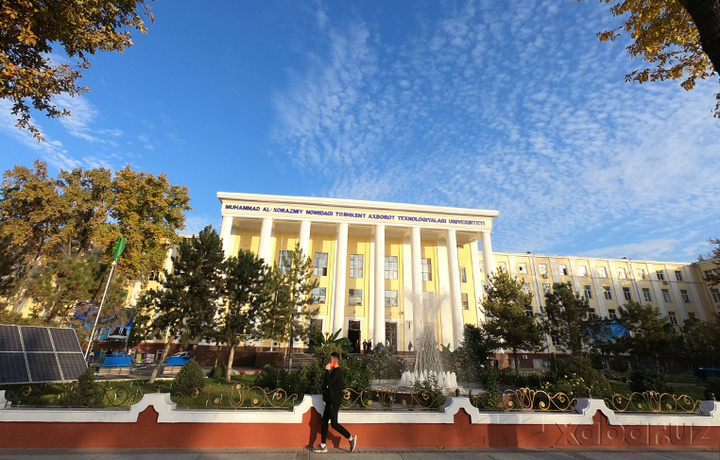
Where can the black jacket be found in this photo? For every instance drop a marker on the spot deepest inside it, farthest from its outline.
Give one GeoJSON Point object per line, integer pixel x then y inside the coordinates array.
{"type": "Point", "coordinates": [333, 386]}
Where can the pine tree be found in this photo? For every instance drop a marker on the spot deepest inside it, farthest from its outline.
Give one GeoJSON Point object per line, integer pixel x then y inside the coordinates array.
{"type": "Point", "coordinates": [246, 296]}
{"type": "Point", "coordinates": [184, 308]}
{"type": "Point", "coordinates": [509, 317]}
{"type": "Point", "coordinates": [287, 313]}
{"type": "Point", "coordinates": [567, 318]}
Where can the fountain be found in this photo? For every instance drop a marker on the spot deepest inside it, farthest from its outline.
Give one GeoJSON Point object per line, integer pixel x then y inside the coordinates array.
{"type": "Point", "coordinates": [428, 365]}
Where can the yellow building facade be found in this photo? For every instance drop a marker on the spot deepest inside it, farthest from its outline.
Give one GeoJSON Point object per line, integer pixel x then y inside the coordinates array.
{"type": "Point", "coordinates": [374, 261]}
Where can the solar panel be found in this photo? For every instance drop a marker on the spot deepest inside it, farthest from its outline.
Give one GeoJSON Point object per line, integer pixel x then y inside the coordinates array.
{"type": "Point", "coordinates": [30, 354]}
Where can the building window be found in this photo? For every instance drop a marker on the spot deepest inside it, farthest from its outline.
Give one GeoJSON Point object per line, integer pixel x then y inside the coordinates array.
{"type": "Point", "coordinates": [563, 269]}
{"type": "Point", "coordinates": [546, 288]}
{"type": "Point", "coordinates": [646, 295]}
{"type": "Point", "coordinates": [626, 293]}
{"type": "Point", "coordinates": [582, 270]}
{"type": "Point", "coordinates": [666, 295]}
{"type": "Point", "coordinates": [391, 298]}
{"type": "Point", "coordinates": [391, 267]}
{"type": "Point", "coordinates": [587, 291]}
{"type": "Point", "coordinates": [678, 275]}
{"type": "Point", "coordinates": [465, 302]}
{"type": "Point", "coordinates": [502, 266]}
{"type": "Point", "coordinates": [660, 275]}
{"type": "Point", "coordinates": [593, 315]}
{"type": "Point", "coordinates": [154, 276]}
{"type": "Point", "coordinates": [622, 274]}
{"type": "Point", "coordinates": [526, 288]}
{"type": "Point", "coordinates": [641, 273]}
{"type": "Point", "coordinates": [318, 295]}
{"type": "Point", "coordinates": [612, 314]}
{"type": "Point", "coordinates": [354, 297]}
{"type": "Point", "coordinates": [707, 274]}
{"type": "Point", "coordinates": [427, 270]}
{"type": "Point", "coordinates": [673, 318]}
{"type": "Point", "coordinates": [602, 272]}
{"type": "Point", "coordinates": [529, 312]}
{"type": "Point", "coordinates": [356, 265]}
{"type": "Point", "coordinates": [607, 293]}
{"type": "Point", "coordinates": [542, 268]}
{"type": "Point", "coordinates": [715, 294]}
{"type": "Point", "coordinates": [684, 295]}
{"type": "Point", "coordinates": [321, 264]}
{"type": "Point", "coordinates": [522, 267]}
{"type": "Point", "coordinates": [691, 314]}
{"type": "Point", "coordinates": [284, 261]}
{"type": "Point", "coordinates": [463, 274]}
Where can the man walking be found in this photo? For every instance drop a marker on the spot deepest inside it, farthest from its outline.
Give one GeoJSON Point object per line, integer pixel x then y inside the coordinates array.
{"type": "Point", "coordinates": [333, 398]}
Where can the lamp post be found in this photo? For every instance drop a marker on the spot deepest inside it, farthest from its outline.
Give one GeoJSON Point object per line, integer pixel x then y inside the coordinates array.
{"type": "Point", "coordinates": [118, 249]}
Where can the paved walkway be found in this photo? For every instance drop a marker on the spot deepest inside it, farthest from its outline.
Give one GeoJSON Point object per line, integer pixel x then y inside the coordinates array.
{"type": "Point", "coordinates": [362, 454]}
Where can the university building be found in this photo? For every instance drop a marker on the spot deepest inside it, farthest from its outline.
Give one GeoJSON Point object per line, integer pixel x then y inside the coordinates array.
{"type": "Point", "coordinates": [376, 262]}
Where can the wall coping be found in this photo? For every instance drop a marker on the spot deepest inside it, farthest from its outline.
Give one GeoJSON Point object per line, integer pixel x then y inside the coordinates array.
{"type": "Point", "coordinates": [709, 414]}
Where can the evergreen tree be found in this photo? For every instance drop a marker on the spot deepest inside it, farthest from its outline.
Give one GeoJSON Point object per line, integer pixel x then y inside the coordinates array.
{"type": "Point", "coordinates": [474, 351]}
{"type": "Point", "coordinates": [650, 335]}
{"type": "Point", "coordinates": [246, 296]}
{"type": "Point", "coordinates": [289, 309]}
{"type": "Point", "coordinates": [509, 317]}
{"type": "Point", "coordinates": [567, 318]}
{"type": "Point", "coordinates": [184, 308]}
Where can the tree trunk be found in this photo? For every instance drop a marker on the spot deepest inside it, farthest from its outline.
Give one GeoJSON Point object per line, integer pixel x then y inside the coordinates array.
{"type": "Point", "coordinates": [706, 16]}
{"type": "Point", "coordinates": [231, 358]}
{"type": "Point", "coordinates": [159, 363]}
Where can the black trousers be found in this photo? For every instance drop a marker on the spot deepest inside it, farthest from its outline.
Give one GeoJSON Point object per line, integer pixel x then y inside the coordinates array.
{"type": "Point", "coordinates": [330, 414]}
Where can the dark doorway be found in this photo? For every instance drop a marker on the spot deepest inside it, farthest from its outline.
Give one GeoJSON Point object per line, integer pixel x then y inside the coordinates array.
{"type": "Point", "coordinates": [391, 335]}
{"type": "Point", "coordinates": [354, 335]}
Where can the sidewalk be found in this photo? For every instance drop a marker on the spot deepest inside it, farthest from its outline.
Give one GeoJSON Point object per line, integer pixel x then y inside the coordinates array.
{"type": "Point", "coordinates": [361, 454]}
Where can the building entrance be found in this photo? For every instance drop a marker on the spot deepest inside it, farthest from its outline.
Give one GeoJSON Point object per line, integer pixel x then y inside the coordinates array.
{"type": "Point", "coordinates": [354, 335]}
{"type": "Point", "coordinates": [391, 335]}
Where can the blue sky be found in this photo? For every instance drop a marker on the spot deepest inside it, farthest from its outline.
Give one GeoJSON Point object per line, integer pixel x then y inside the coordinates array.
{"type": "Point", "coordinates": [511, 105]}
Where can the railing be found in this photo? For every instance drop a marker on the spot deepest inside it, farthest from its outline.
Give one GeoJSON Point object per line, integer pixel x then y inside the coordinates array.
{"type": "Point", "coordinates": [241, 396]}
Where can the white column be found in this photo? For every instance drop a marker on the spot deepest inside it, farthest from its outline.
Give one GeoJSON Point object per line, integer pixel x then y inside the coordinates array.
{"type": "Point", "coordinates": [304, 237]}
{"type": "Point", "coordinates": [265, 236]}
{"type": "Point", "coordinates": [340, 296]}
{"type": "Point", "coordinates": [442, 281]}
{"type": "Point", "coordinates": [477, 283]}
{"type": "Point", "coordinates": [379, 285]}
{"type": "Point", "coordinates": [226, 235]}
{"type": "Point", "coordinates": [488, 258]}
{"type": "Point", "coordinates": [415, 260]}
{"type": "Point", "coordinates": [455, 298]}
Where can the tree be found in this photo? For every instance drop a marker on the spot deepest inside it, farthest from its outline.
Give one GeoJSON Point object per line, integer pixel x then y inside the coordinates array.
{"type": "Point", "coordinates": [510, 319]}
{"type": "Point", "coordinates": [650, 335]}
{"type": "Point", "coordinates": [30, 29]}
{"type": "Point", "coordinates": [246, 296]}
{"type": "Point", "coordinates": [714, 278]}
{"type": "Point", "coordinates": [680, 39]}
{"type": "Point", "coordinates": [147, 210]}
{"type": "Point", "coordinates": [62, 286]}
{"type": "Point", "coordinates": [474, 351]}
{"type": "Point", "coordinates": [11, 266]}
{"type": "Point", "coordinates": [288, 311]}
{"type": "Point", "coordinates": [701, 342]}
{"type": "Point", "coordinates": [184, 307]}
{"type": "Point", "coordinates": [567, 318]}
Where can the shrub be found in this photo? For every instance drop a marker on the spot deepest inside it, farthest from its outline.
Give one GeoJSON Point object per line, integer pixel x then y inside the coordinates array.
{"type": "Point", "coordinates": [267, 377]}
{"type": "Point", "coordinates": [649, 380]}
{"type": "Point", "coordinates": [219, 371]}
{"type": "Point", "coordinates": [294, 382]}
{"type": "Point", "coordinates": [712, 386]}
{"type": "Point", "coordinates": [619, 364]}
{"type": "Point", "coordinates": [190, 377]}
{"type": "Point", "coordinates": [490, 379]}
{"type": "Point", "coordinates": [383, 364]}
{"type": "Point", "coordinates": [86, 393]}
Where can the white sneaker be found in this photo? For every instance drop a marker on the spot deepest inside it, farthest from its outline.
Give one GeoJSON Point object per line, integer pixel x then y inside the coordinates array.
{"type": "Point", "coordinates": [320, 448]}
{"type": "Point", "coordinates": [353, 443]}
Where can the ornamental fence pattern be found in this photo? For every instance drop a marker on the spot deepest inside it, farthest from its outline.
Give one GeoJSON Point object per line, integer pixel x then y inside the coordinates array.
{"type": "Point", "coordinates": [114, 395]}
